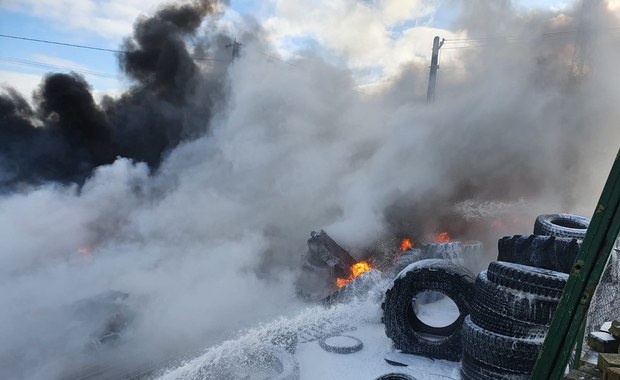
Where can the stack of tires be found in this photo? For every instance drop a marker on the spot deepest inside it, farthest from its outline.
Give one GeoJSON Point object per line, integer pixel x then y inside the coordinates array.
{"type": "Point", "coordinates": [516, 298]}
{"type": "Point", "coordinates": [510, 315]}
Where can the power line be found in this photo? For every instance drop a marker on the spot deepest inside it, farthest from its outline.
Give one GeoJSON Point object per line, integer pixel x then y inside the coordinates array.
{"type": "Point", "coordinates": [24, 62]}
{"type": "Point", "coordinates": [279, 59]}
{"type": "Point", "coordinates": [93, 47]}
{"type": "Point", "coordinates": [485, 41]}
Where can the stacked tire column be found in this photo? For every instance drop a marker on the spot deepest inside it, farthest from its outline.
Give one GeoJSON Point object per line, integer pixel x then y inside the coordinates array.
{"type": "Point", "coordinates": [510, 315]}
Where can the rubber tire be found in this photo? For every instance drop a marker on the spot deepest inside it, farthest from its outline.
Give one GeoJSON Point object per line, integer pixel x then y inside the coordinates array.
{"type": "Point", "coordinates": [514, 304]}
{"type": "Point", "coordinates": [395, 376]}
{"type": "Point", "coordinates": [439, 275]}
{"type": "Point", "coordinates": [529, 279]}
{"type": "Point", "coordinates": [338, 349]}
{"type": "Point", "coordinates": [284, 363]}
{"type": "Point", "coordinates": [490, 320]}
{"type": "Point", "coordinates": [562, 225]}
{"type": "Point", "coordinates": [547, 252]}
{"type": "Point", "coordinates": [499, 351]}
{"type": "Point", "coordinates": [290, 366]}
{"type": "Point", "coordinates": [475, 370]}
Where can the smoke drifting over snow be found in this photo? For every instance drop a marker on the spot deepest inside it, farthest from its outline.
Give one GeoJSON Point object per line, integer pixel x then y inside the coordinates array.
{"type": "Point", "coordinates": [209, 242]}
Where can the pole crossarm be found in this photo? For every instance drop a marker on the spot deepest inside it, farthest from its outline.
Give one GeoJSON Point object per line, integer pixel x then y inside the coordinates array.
{"type": "Point", "coordinates": [582, 282]}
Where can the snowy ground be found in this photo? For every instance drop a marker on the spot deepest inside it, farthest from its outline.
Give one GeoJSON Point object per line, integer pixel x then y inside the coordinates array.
{"type": "Point", "coordinates": [360, 319]}
{"type": "Point", "coordinates": [315, 363]}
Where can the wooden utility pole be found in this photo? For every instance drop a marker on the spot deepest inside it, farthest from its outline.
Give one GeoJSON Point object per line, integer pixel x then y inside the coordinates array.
{"type": "Point", "coordinates": [432, 79]}
{"type": "Point", "coordinates": [236, 48]}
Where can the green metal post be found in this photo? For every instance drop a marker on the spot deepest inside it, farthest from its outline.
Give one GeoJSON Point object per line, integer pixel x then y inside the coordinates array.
{"type": "Point", "coordinates": [579, 345]}
{"type": "Point", "coordinates": [582, 282]}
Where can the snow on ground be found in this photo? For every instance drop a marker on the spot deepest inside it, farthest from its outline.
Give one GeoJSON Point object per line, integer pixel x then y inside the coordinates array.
{"type": "Point", "coordinates": [360, 319]}
{"type": "Point", "coordinates": [316, 363]}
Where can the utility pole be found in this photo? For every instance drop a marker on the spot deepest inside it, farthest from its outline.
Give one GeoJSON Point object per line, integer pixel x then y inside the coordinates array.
{"type": "Point", "coordinates": [583, 38]}
{"type": "Point", "coordinates": [432, 79]}
{"type": "Point", "coordinates": [236, 48]}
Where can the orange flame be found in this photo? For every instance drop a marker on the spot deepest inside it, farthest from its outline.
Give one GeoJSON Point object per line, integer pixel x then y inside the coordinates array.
{"type": "Point", "coordinates": [443, 238]}
{"type": "Point", "coordinates": [357, 270]}
{"type": "Point", "coordinates": [405, 245]}
{"type": "Point", "coordinates": [86, 251]}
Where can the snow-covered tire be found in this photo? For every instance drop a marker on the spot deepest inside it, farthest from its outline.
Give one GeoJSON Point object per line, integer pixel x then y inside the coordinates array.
{"type": "Point", "coordinates": [395, 376]}
{"type": "Point", "coordinates": [407, 258]}
{"type": "Point", "coordinates": [471, 369]}
{"type": "Point", "coordinates": [287, 365]}
{"type": "Point", "coordinates": [514, 304]}
{"type": "Point", "coordinates": [490, 320]}
{"type": "Point", "coordinates": [562, 225]}
{"type": "Point", "coordinates": [547, 252]}
{"type": "Point", "coordinates": [499, 351]}
{"type": "Point", "coordinates": [341, 348]}
{"type": "Point", "coordinates": [274, 362]}
{"type": "Point", "coordinates": [526, 278]}
{"type": "Point", "coordinates": [401, 323]}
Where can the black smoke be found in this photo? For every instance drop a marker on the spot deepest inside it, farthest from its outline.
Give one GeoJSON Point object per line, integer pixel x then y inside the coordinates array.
{"type": "Point", "coordinates": [66, 134]}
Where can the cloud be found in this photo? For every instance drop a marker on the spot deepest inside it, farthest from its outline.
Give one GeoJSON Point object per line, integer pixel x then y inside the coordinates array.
{"type": "Point", "coordinates": [210, 241]}
{"type": "Point", "coordinates": [24, 83]}
{"type": "Point", "coordinates": [359, 32]}
{"type": "Point", "coordinates": [111, 19]}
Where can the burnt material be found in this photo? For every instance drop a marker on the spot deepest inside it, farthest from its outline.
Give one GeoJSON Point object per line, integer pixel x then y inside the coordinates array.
{"type": "Point", "coordinates": [322, 249]}
{"type": "Point", "coordinates": [322, 264]}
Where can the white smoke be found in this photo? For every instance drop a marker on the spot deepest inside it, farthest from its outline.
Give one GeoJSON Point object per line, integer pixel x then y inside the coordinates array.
{"type": "Point", "coordinates": [210, 243]}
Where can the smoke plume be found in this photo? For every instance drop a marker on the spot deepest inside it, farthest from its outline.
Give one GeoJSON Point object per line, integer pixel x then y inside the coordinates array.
{"type": "Point", "coordinates": [195, 191]}
{"type": "Point", "coordinates": [67, 136]}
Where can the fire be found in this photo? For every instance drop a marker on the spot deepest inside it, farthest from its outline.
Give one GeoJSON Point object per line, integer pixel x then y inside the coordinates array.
{"type": "Point", "coordinates": [443, 238]}
{"type": "Point", "coordinates": [86, 251]}
{"type": "Point", "coordinates": [357, 270]}
{"type": "Point", "coordinates": [405, 245]}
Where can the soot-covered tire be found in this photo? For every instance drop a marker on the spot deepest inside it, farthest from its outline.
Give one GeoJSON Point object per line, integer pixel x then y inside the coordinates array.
{"type": "Point", "coordinates": [562, 225]}
{"type": "Point", "coordinates": [499, 351]}
{"type": "Point", "coordinates": [353, 345]}
{"type": "Point", "coordinates": [490, 320]}
{"type": "Point", "coordinates": [401, 323]}
{"type": "Point", "coordinates": [530, 279]}
{"type": "Point", "coordinates": [471, 369]}
{"type": "Point", "coordinates": [515, 304]}
{"type": "Point", "coordinates": [395, 376]}
{"type": "Point", "coordinates": [547, 252]}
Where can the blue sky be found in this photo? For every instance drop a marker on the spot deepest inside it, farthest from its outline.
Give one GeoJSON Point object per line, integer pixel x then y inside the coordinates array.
{"type": "Point", "coordinates": [29, 18]}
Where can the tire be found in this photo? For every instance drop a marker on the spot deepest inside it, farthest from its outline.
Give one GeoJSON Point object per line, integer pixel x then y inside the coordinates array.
{"type": "Point", "coordinates": [514, 304]}
{"type": "Point", "coordinates": [407, 258]}
{"type": "Point", "coordinates": [499, 351]}
{"type": "Point", "coordinates": [395, 376]}
{"type": "Point", "coordinates": [273, 362]}
{"type": "Point", "coordinates": [287, 365]}
{"type": "Point", "coordinates": [562, 225]}
{"type": "Point", "coordinates": [475, 370]}
{"type": "Point", "coordinates": [492, 321]}
{"type": "Point", "coordinates": [547, 252]}
{"type": "Point", "coordinates": [341, 348]}
{"type": "Point", "coordinates": [528, 279]}
{"type": "Point", "coordinates": [401, 324]}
